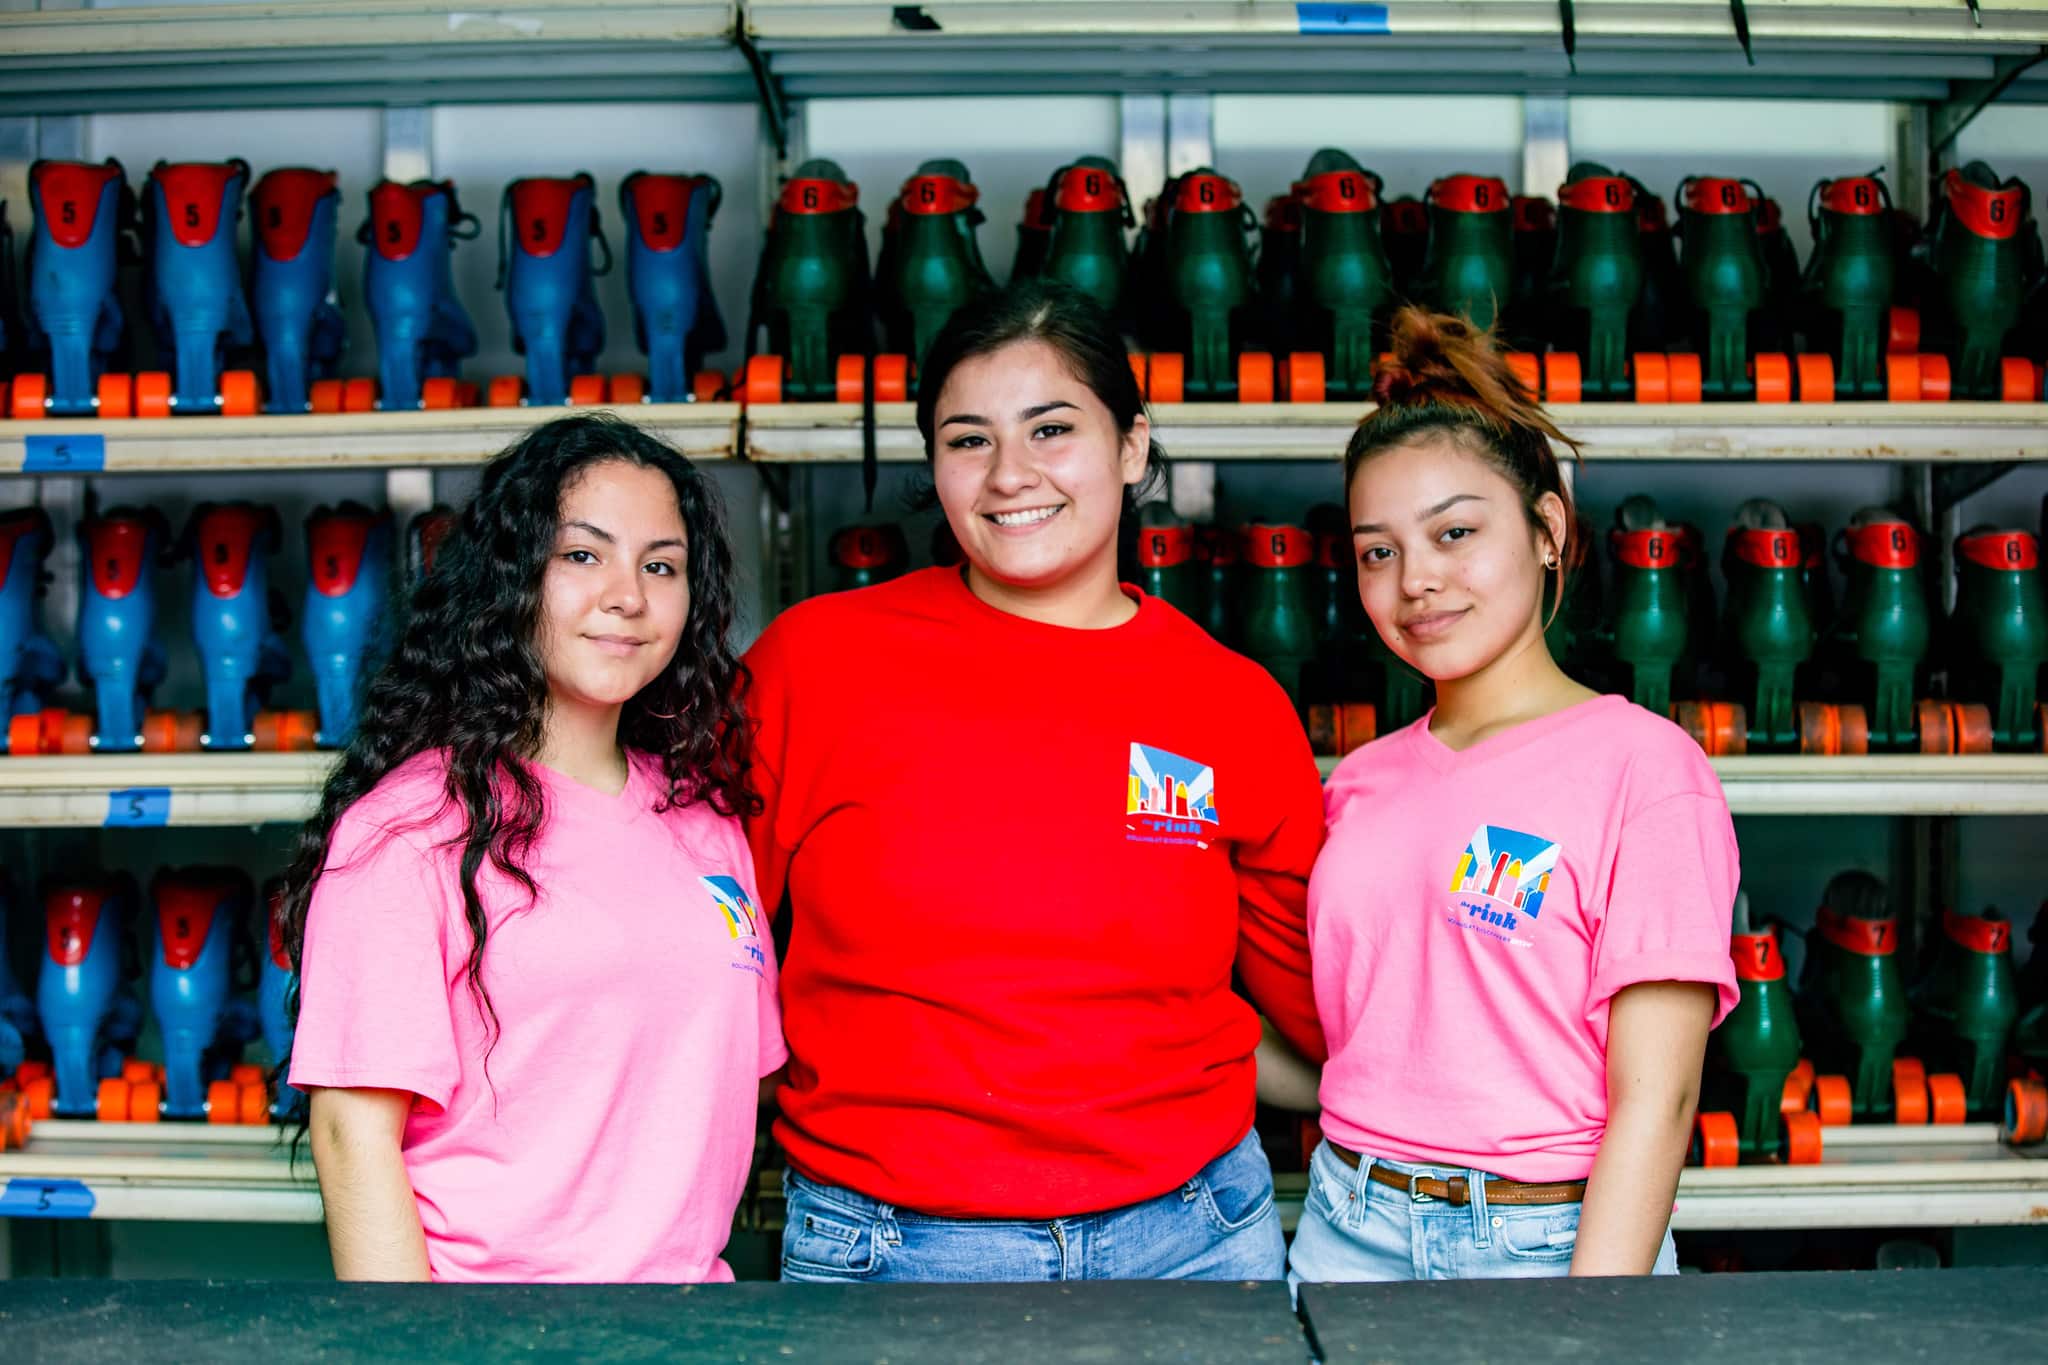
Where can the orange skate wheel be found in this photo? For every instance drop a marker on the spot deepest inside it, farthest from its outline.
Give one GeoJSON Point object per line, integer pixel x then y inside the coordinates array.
{"type": "Point", "coordinates": [1909, 1091]}
{"type": "Point", "coordinates": [265, 732]}
{"type": "Point", "coordinates": [848, 377]}
{"type": "Point", "coordinates": [1322, 730]}
{"type": "Point", "coordinates": [191, 730]}
{"type": "Point", "coordinates": [31, 1071]}
{"type": "Point", "coordinates": [1652, 377]}
{"type": "Point", "coordinates": [1799, 1144]}
{"type": "Point", "coordinates": [624, 390]}
{"type": "Point", "coordinates": [112, 1103]}
{"type": "Point", "coordinates": [1357, 724]}
{"type": "Point", "coordinates": [1934, 378]}
{"type": "Point", "coordinates": [763, 380]}
{"type": "Point", "coordinates": [1936, 723]}
{"type": "Point", "coordinates": [159, 732]}
{"type": "Point", "coordinates": [1947, 1101]}
{"type": "Point", "coordinates": [1169, 377]}
{"type": "Point", "coordinates": [134, 1069]}
{"type": "Point", "coordinates": [1562, 380]}
{"type": "Point", "coordinates": [892, 378]}
{"type": "Point", "coordinates": [1902, 331]}
{"type": "Point", "coordinates": [1255, 377]}
{"type": "Point", "coordinates": [240, 395]}
{"type": "Point", "coordinates": [245, 1073]}
{"type": "Point", "coordinates": [1527, 368]}
{"type": "Point", "coordinates": [1772, 372]}
{"type": "Point", "coordinates": [152, 394]}
{"type": "Point", "coordinates": [2026, 1112]}
{"type": "Point", "coordinates": [41, 1094]}
{"type": "Point", "coordinates": [14, 1122]}
{"type": "Point", "coordinates": [1820, 729]}
{"type": "Point", "coordinates": [25, 736]}
{"type": "Point", "coordinates": [707, 386]}
{"type": "Point", "coordinates": [469, 395]}
{"type": "Point", "coordinates": [1141, 370]}
{"type": "Point", "coordinates": [74, 735]}
{"type": "Point", "coordinates": [116, 395]}
{"type": "Point", "coordinates": [506, 391]}
{"type": "Point", "coordinates": [325, 396]}
{"type": "Point", "coordinates": [1855, 728]}
{"type": "Point", "coordinates": [298, 732]}
{"type": "Point", "coordinates": [145, 1102]}
{"type": "Point", "coordinates": [441, 392]}
{"type": "Point", "coordinates": [223, 1102]}
{"type": "Point", "coordinates": [1691, 717]}
{"type": "Point", "coordinates": [1305, 379]}
{"type": "Point", "coordinates": [1816, 375]}
{"type": "Point", "coordinates": [27, 395]}
{"type": "Point", "coordinates": [586, 390]}
{"type": "Point", "coordinates": [1973, 727]}
{"type": "Point", "coordinates": [1716, 1141]}
{"type": "Point", "coordinates": [1685, 376]}
{"type": "Point", "coordinates": [254, 1106]}
{"type": "Point", "coordinates": [2018, 380]}
{"type": "Point", "coordinates": [359, 395]}
{"type": "Point", "coordinates": [1831, 1100]}
{"type": "Point", "coordinates": [1798, 1085]}
{"type": "Point", "coordinates": [1902, 378]}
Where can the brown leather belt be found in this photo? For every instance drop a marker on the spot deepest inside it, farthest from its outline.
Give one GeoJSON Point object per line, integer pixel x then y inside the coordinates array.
{"type": "Point", "coordinates": [1456, 1190]}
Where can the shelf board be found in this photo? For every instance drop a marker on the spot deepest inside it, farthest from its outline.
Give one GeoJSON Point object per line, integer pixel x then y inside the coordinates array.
{"type": "Point", "coordinates": [165, 1171]}
{"type": "Point", "coordinates": [356, 52]}
{"type": "Point", "coordinates": [828, 433]}
{"type": "Point", "coordinates": [121, 790]}
{"type": "Point", "coordinates": [1997, 784]}
{"type": "Point", "coordinates": [364, 440]}
{"type": "Point", "coordinates": [252, 789]}
{"type": "Point", "coordinates": [1851, 49]}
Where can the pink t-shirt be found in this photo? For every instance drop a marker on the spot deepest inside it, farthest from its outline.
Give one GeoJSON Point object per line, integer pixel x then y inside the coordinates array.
{"type": "Point", "coordinates": [636, 1002]}
{"type": "Point", "coordinates": [1474, 912]}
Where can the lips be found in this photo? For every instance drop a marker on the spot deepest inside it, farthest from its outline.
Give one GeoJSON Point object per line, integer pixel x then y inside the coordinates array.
{"type": "Point", "coordinates": [1433, 626]}
{"type": "Point", "coordinates": [621, 645]}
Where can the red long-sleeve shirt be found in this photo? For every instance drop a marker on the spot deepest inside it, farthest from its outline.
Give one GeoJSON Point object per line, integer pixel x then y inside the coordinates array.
{"type": "Point", "coordinates": [1022, 862]}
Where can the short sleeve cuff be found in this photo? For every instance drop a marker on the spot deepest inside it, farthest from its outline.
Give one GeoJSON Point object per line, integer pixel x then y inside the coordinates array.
{"type": "Point", "coordinates": [1714, 969]}
{"type": "Point", "coordinates": [435, 1090]}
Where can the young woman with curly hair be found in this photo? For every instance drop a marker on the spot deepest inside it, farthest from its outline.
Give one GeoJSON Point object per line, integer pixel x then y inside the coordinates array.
{"type": "Point", "coordinates": [535, 1003]}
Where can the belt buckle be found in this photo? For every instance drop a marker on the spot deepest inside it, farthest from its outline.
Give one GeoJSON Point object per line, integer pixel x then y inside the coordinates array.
{"type": "Point", "coordinates": [1416, 1196]}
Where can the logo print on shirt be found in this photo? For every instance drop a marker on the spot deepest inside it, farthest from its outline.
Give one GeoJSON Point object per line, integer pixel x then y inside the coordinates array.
{"type": "Point", "coordinates": [1169, 799]}
{"type": "Point", "coordinates": [731, 900]}
{"type": "Point", "coordinates": [1501, 877]}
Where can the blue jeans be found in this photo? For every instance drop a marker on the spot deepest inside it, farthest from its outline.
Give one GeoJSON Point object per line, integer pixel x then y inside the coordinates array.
{"type": "Point", "coordinates": [1219, 1225]}
{"type": "Point", "coordinates": [1353, 1228]}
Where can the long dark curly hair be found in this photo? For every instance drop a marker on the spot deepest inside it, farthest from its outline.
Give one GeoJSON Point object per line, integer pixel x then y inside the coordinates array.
{"type": "Point", "coordinates": [465, 673]}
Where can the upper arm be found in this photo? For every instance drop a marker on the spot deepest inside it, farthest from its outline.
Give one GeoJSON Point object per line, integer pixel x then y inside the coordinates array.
{"type": "Point", "coordinates": [357, 1117]}
{"type": "Point", "coordinates": [1657, 1038]}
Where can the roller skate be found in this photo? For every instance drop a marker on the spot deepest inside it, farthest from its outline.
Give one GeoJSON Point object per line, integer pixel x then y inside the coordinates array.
{"type": "Point", "coordinates": [545, 228]}
{"type": "Point", "coordinates": [190, 215]}
{"type": "Point", "coordinates": [292, 283]}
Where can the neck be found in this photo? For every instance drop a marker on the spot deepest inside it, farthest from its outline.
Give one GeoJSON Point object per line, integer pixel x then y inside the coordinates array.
{"type": "Point", "coordinates": [1090, 600]}
{"type": "Point", "coordinates": [582, 742]}
{"type": "Point", "coordinates": [1524, 682]}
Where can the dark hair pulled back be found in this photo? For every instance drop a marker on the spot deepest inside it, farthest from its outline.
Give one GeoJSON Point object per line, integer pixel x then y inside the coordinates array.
{"type": "Point", "coordinates": [1073, 324]}
{"type": "Point", "coordinates": [1446, 377]}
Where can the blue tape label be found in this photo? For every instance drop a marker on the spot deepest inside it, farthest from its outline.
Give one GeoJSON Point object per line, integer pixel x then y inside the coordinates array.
{"type": "Point", "coordinates": [76, 453]}
{"type": "Point", "coordinates": [33, 1197]}
{"type": "Point", "coordinates": [132, 806]}
{"type": "Point", "coordinates": [1341, 18]}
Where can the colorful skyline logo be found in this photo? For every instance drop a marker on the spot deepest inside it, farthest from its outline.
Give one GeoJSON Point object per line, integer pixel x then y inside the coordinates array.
{"type": "Point", "coordinates": [1507, 866]}
{"type": "Point", "coordinates": [1167, 785]}
{"type": "Point", "coordinates": [732, 902]}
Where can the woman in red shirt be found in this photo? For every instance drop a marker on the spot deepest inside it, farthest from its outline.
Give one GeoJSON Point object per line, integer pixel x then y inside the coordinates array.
{"type": "Point", "coordinates": [1027, 822]}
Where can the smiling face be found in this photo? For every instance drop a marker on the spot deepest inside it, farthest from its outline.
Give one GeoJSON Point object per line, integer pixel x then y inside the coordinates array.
{"type": "Point", "coordinates": [1449, 568]}
{"type": "Point", "coordinates": [616, 592]}
{"type": "Point", "coordinates": [1031, 469]}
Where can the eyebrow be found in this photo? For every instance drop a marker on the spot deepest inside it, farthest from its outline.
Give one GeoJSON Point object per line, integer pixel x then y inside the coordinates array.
{"type": "Point", "coordinates": [608, 538]}
{"type": "Point", "coordinates": [1371, 527]}
{"type": "Point", "coordinates": [977, 420]}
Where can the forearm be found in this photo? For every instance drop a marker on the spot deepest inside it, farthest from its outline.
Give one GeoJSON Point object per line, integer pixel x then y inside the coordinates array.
{"type": "Point", "coordinates": [1629, 1193]}
{"type": "Point", "coordinates": [1286, 1081]}
{"type": "Point", "coordinates": [373, 1219]}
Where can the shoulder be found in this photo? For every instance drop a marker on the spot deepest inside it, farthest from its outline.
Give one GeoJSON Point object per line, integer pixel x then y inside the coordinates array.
{"type": "Point", "coordinates": [1661, 760]}
{"type": "Point", "coordinates": [410, 802]}
{"type": "Point", "coordinates": [826, 623]}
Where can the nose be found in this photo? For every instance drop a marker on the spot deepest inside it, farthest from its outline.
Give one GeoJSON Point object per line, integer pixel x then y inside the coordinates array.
{"type": "Point", "coordinates": [1012, 470]}
{"type": "Point", "coordinates": [624, 594]}
{"type": "Point", "coordinates": [1419, 575]}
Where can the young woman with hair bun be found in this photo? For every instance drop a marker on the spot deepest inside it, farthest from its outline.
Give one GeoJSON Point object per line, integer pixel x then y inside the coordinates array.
{"type": "Point", "coordinates": [1519, 922]}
